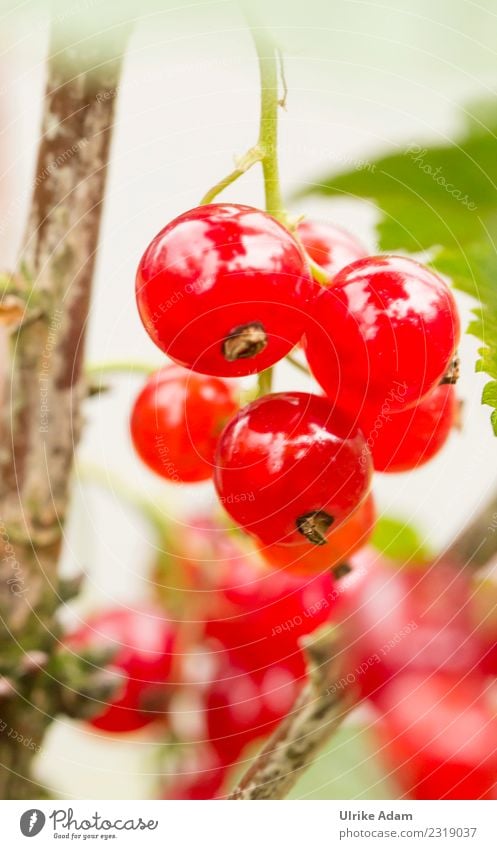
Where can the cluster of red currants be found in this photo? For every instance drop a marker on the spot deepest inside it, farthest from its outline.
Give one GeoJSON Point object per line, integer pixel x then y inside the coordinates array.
{"type": "Point", "coordinates": [421, 647]}
{"type": "Point", "coordinates": [226, 291]}
{"type": "Point", "coordinates": [219, 680]}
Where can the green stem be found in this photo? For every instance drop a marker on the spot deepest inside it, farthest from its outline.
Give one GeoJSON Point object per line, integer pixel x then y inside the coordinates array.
{"type": "Point", "coordinates": [265, 150]}
{"type": "Point", "coordinates": [116, 366]}
{"type": "Point", "coordinates": [251, 157]}
{"type": "Point", "coordinates": [95, 475]}
{"type": "Point", "coordinates": [264, 382]}
{"type": "Point", "coordinates": [267, 56]}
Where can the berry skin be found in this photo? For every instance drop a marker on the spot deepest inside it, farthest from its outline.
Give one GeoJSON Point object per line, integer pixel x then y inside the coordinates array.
{"type": "Point", "coordinates": [330, 246]}
{"type": "Point", "coordinates": [288, 467]}
{"type": "Point", "coordinates": [415, 620]}
{"type": "Point", "coordinates": [439, 734]}
{"type": "Point", "coordinates": [144, 642]}
{"type": "Point", "coordinates": [342, 542]}
{"type": "Point", "coordinates": [410, 438]}
{"type": "Point", "coordinates": [244, 705]}
{"type": "Point", "coordinates": [265, 613]}
{"type": "Point", "coordinates": [224, 289]}
{"type": "Point", "coordinates": [382, 336]}
{"type": "Point", "coordinates": [176, 422]}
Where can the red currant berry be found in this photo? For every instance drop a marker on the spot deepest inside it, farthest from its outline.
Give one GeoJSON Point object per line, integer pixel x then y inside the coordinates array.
{"type": "Point", "coordinates": [288, 467]}
{"type": "Point", "coordinates": [224, 289]}
{"type": "Point", "coordinates": [330, 246]}
{"type": "Point", "coordinates": [383, 335]}
{"type": "Point", "coordinates": [266, 612]}
{"type": "Point", "coordinates": [439, 735]}
{"type": "Point", "coordinates": [410, 438]}
{"type": "Point", "coordinates": [409, 620]}
{"type": "Point", "coordinates": [176, 422]}
{"type": "Point", "coordinates": [143, 640]}
{"type": "Point", "coordinates": [342, 542]}
{"type": "Point", "coordinates": [242, 705]}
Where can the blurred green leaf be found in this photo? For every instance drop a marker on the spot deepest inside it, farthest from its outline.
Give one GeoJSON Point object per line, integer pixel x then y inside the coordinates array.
{"type": "Point", "coordinates": [348, 768]}
{"type": "Point", "coordinates": [399, 541]}
{"type": "Point", "coordinates": [442, 199]}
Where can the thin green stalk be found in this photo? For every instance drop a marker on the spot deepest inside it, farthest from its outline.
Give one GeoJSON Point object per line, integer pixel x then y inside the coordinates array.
{"type": "Point", "coordinates": [250, 158]}
{"type": "Point", "coordinates": [264, 382]}
{"type": "Point", "coordinates": [117, 366]}
{"type": "Point", "coordinates": [267, 56]}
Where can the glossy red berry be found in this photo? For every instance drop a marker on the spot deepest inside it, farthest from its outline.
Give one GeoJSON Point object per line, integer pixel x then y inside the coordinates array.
{"type": "Point", "coordinates": [143, 641]}
{"type": "Point", "coordinates": [224, 289]}
{"type": "Point", "coordinates": [289, 467]}
{"type": "Point", "coordinates": [407, 439]}
{"type": "Point", "coordinates": [439, 735]}
{"type": "Point", "coordinates": [342, 542]}
{"type": "Point", "coordinates": [329, 245]}
{"type": "Point", "coordinates": [176, 422]}
{"type": "Point", "coordinates": [383, 335]}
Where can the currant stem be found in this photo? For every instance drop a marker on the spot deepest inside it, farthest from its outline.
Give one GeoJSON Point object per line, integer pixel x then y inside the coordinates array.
{"type": "Point", "coordinates": [267, 56]}
{"type": "Point", "coordinates": [250, 158]}
{"type": "Point", "coordinates": [116, 366]}
{"type": "Point", "coordinates": [264, 382]}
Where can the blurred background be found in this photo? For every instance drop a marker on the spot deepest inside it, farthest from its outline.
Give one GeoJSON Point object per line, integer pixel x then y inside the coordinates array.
{"type": "Point", "coordinates": [363, 77]}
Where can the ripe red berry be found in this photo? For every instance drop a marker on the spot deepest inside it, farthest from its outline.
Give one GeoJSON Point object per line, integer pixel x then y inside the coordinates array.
{"type": "Point", "coordinates": [342, 542]}
{"type": "Point", "coordinates": [330, 246]}
{"type": "Point", "coordinates": [176, 422]}
{"type": "Point", "coordinates": [439, 735]}
{"type": "Point", "coordinates": [143, 640]}
{"type": "Point", "coordinates": [288, 467]}
{"type": "Point", "coordinates": [266, 612]}
{"type": "Point", "coordinates": [409, 438]}
{"type": "Point", "coordinates": [407, 620]}
{"type": "Point", "coordinates": [224, 289]}
{"type": "Point", "coordinates": [383, 335]}
{"type": "Point", "coordinates": [243, 705]}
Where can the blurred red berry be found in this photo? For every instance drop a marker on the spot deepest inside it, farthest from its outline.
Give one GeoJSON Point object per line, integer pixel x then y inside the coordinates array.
{"type": "Point", "coordinates": [176, 422]}
{"type": "Point", "coordinates": [144, 642]}
{"type": "Point", "coordinates": [440, 737]}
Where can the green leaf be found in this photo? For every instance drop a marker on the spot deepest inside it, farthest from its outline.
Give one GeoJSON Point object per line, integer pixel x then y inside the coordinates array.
{"type": "Point", "coordinates": [442, 199]}
{"type": "Point", "coordinates": [349, 768]}
{"type": "Point", "coordinates": [399, 541]}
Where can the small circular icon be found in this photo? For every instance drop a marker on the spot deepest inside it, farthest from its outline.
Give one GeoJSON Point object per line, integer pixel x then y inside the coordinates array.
{"type": "Point", "coordinates": [32, 822]}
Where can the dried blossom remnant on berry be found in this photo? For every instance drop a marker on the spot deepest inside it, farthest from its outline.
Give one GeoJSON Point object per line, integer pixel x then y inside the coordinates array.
{"type": "Point", "coordinates": [313, 526]}
{"type": "Point", "coordinates": [244, 342]}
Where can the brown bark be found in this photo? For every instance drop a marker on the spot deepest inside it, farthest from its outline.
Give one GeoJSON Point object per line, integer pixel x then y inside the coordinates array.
{"type": "Point", "coordinates": [317, 713]}
{"type": "Point", "coordinates": [42, 408]}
